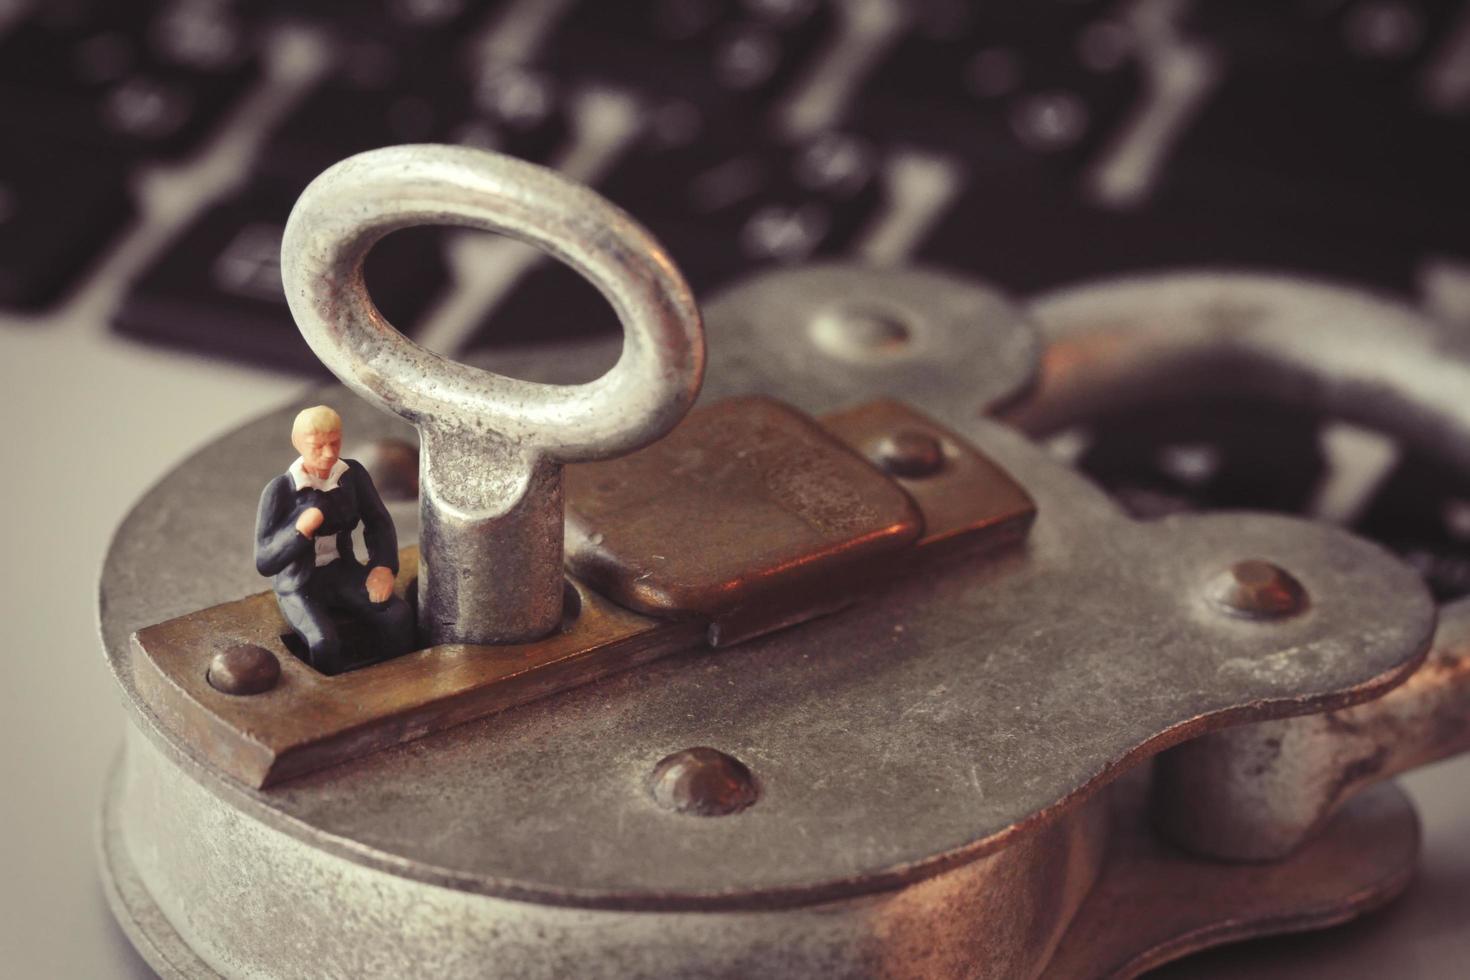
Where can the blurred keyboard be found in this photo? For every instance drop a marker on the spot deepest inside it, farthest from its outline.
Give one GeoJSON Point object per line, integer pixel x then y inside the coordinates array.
{"type": "Point", "coordinates": [1029, 142]}
{"type": "Point", "coordinates": [1018, 140]}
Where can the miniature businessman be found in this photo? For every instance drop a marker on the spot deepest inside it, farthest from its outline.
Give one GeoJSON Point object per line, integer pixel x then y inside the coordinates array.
{"type": "Point", "coordinates": [303, 537]}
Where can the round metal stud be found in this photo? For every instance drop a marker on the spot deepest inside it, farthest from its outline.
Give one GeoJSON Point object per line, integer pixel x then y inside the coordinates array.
{"type": "Point", "coordinates": [824, 335]}
{"type": "Point", "coordinates": [910, 454]}
{"type": "Point", "coordinates": [1256, 589]}
{"type": "Point", "coordinates": [860, 333]}
{"type": "Point", "coordinates": [244, 669]}
{"type": "Point", "coordinates": [703, 782]}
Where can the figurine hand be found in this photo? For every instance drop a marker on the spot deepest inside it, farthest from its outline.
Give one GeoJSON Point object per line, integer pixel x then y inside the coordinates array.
{"type": "Point", "coordinates": [311, 518]}
{"type": "Point", "coordinates": [380, 584]}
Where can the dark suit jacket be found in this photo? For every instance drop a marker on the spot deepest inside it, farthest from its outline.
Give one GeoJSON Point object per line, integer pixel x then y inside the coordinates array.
{"type": "Point", "coordinates": [290, 556]}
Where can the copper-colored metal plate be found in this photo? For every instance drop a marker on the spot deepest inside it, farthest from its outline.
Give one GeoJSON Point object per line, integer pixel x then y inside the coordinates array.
{"type": "Point", "coordinates": [309, 720]}
{"type": "Point", "coordinates": [967, 500]}
{"type": "Point", "coordinates": [748, 514]}
{"type": "Point", "coordinates": [748, 518]}
{"type": "Point", "coordinates": [1154, 903]}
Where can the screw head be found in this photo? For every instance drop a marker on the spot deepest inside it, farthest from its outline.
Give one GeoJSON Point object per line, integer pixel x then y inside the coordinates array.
{"type": "Point", "coordinates": [244, 669]}
{"type": "Point", "coordinates": [860, 333]}
{"type": "Point", "coordinates": [703, 782]}
{"type": "Point", "coordinates": [1257, 589]}
{"type": "Point", "coordinates": [910, 454]}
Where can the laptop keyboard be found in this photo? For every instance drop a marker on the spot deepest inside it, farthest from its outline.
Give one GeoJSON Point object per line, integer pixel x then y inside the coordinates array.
{"type": "Point", "coordinates": [1327, 140]}
{"type": "Point", "coordinates": [1031, 143]}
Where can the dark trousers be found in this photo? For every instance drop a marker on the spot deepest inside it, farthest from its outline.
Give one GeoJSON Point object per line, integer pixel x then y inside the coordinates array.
{"type": "Point", "coordinates": [340, 588]}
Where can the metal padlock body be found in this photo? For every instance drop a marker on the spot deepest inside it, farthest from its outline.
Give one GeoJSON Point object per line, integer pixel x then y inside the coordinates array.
{"type": "Point", "coordinates": [1255, 792]}
{"type": "Point", "coordinates": [927, 761]}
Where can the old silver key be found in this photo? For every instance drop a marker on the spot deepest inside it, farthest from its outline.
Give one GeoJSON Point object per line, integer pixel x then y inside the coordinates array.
{"type": "Point", "coordinates": [492, 447]}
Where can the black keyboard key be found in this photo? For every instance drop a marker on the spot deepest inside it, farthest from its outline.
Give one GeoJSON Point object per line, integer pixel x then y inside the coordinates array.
{"type": "Point", "coordinates": [1383, 39]}
{"type": "Point", "coordinates": [377, 93]}
{"type": "Point", "coordinates": [1027, 234]}
{"type": "Point", "coordinates": [1422, 511]}
{"type": "Point", "coordinates": [217, 289]}
{"type": "Point", "coordinates": [335, 121]}
{"type": "Point", "coordinates": [516, 110]}
{"type": "Point", "coordinates": [152, 85]}
{"type": "Point", "coordinates": [718, 53]}
{"type": "Point", "coordinates": [1320, 114]}
{"type": "Point", "coordinates": [1322, 144]}
{"type": "Point", "coordinates": [1207, 455]}
{"type": "Point", "coordinates": [716, 232]}
{"type": "Point", "coordinates": [1001, 86]}
{"type": "Point", "coordinates": [678, 143]}
{"type": "Point", "coordinates": [60, 205]}
{"type": "Point", "coordinates": [403, 21]}
{"type": "Point", "coordinates": [552, 302]}
{"type": "Point", "coordinates": [382, 95]}
{"type": "Point", "coordinates": [549, 303]}
{"type": "Point", "coordinates": [749, 197]}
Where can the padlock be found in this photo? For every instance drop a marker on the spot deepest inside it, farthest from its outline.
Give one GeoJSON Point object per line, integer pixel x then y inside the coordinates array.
{"type": "Point", "coordinates": [845, 678]}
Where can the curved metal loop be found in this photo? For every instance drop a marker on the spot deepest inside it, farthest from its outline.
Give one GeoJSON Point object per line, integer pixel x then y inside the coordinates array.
{"type": "Point", "coordinates": [1337, 349]}
{"type": "Point", "coordinates": [1259, 792]}
{"type": "Point", "coordinates": [350, 206]}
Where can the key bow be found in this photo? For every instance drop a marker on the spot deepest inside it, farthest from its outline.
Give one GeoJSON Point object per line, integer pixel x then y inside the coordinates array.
{"type": "Point", "coordinates": [492, 447]}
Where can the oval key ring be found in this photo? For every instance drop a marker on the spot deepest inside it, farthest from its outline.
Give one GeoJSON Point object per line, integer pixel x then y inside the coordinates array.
{"type": "Point", "coordinates": [491, 446]}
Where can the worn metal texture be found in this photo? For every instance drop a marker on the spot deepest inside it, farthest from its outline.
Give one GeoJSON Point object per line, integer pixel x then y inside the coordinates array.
{"type": "Point", "coordinates": [491, 446]}
{"type": "Point", "coordinates": [750, 517]}
{"type": "Point", "coordinates": [1154, 904]}
{"type": "Point", "coordinates": [304, 720]}
{"type": "Point", "coordinates": [1043, 914]}
{"type": "Point", "coordinates": [938, 726]}
{"type": "Point", "coordinates": [823, 337]}
{"type": "Point", "coordinates": [205, 892]}
{"type": "Point", "coordinates": [1256, 793]}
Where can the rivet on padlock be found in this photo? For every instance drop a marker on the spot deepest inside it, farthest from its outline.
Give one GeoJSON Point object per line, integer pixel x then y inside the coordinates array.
{"type": "Point", "coordinates": [492, 447]}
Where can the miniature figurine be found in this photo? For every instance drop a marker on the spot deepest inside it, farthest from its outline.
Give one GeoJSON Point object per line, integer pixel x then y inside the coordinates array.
{"type": "Point", "coordinates": [303, 538]}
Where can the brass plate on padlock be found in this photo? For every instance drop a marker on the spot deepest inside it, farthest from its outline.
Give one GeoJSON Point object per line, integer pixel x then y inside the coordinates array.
{"type": "Point", "coordinates": [748, 514]}
{"type": "Point", "coordinates": [778, 522]}
{"type": "Point", "coordinates": [309, 720]}
{"type": "Point", "coordinates": [967, 499]}
{"type": "Point", "coordinates": [751, 515]}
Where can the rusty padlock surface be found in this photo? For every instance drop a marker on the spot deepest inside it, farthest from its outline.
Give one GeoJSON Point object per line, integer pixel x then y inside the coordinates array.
{"type": "Point", "coordinates": [930, 764]}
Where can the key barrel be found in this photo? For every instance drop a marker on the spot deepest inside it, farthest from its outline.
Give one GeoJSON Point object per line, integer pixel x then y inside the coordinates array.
{"type": "Point", "coordinates": [492, 446]}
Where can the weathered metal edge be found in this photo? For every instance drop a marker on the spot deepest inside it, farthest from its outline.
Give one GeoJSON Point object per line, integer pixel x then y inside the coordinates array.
{"type": "Point", "coordinates": [873, 883]}
{"type": "Point", "coordinates": [133, 908]}
{"type": "Point", "coordinates": [1122, 872]}
{"type": "Point", "coordinates": [1381, 829]}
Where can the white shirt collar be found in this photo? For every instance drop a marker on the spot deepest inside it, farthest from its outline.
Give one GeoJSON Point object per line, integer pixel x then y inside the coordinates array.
{"type": "Point", "coordinates": [303, 479]}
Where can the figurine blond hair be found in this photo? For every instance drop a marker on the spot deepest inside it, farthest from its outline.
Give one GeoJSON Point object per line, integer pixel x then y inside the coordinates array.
{"type": "Point", "coordinates": [317, 418]}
